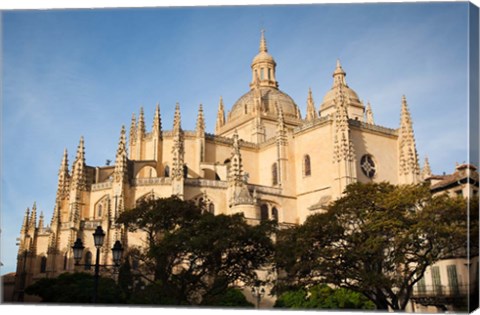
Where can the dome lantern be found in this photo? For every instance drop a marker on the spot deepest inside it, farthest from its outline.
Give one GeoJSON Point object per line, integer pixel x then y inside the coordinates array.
{"type": "Point", "coordinates": [263, 66]}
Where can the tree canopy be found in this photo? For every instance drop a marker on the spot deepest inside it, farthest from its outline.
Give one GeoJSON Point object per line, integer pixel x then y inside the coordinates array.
{"type": "Point", "coordinates": [194, 254]}
{"type": "Point", "coordinates": [377, 240]}
{"type": "Point", "coordinates": [75, 288]}
{"type": "Point", "coordinates": [323, 297]}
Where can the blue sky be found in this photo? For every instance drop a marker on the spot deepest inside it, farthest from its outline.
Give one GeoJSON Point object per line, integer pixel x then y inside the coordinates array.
{"type": "Point", "coordinates": [72, 73]}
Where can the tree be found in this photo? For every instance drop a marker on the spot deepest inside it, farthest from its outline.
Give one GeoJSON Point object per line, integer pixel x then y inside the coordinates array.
{"type": "Point", "coordinates": [377, 240]}
{"type": "Point", "coordinates": [75, 288]}
{"type": "Point", "coordinates": [323, 297]}
{"type": "Point", "coordinates": [231, 297]}
{"type": "Point", "coordinates": [193, 255]}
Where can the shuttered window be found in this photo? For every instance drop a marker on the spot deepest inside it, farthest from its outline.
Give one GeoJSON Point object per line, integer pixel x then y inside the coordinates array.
{"type": "Point", "coordinates": [421, 286]}
{"type": "Point", "coordinates": [452, 279]}
{"type": "Point", "coordinates": [436, 281]}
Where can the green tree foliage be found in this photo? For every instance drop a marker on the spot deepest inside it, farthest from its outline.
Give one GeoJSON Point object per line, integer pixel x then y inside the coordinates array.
{"type": "Point", "coordinates": [75, 288]}
{"type": "Point", "coordinates": [193, 255]}
{"type": "Point", "coordinates": [323, 297]}
{"type": "Point", "coordinates": [230, 297]}
{"type": "Point", "coordinates": [377, 240]}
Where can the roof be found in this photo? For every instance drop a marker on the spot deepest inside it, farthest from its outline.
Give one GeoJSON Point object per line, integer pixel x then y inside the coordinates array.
{"type": "Point", "coordinates": [463, 173]}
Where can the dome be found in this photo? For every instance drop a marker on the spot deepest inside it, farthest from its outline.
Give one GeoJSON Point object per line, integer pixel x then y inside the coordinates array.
{"type": "Point", "coordinates": [270, 97]}
{"type": "Point", "coordinates": [355, 106]}
{"type": "Point", "coordinates": [263, 57]}
{"type": "Point", "coordinates": [350, 94]}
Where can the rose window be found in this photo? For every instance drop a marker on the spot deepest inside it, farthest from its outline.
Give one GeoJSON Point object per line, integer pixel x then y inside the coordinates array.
{"type": "Point", "coordinates": [368, 166]}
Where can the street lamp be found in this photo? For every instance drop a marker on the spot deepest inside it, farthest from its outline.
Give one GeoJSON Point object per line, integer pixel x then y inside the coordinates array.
{"type": "Point", "coordinates": [258, 293]}
{"type": "Point", "coordinates": [98, 238]}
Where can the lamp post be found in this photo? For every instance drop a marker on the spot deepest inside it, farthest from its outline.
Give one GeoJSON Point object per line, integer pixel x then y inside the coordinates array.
{"type": "Point", "coordinates": [258, 293]}
{"type": "Point", "coordinates": [98, 238]}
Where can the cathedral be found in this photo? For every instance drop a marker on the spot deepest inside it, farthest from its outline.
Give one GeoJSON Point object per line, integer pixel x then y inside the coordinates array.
{"type": "Point", "coordinates": [265, 160]}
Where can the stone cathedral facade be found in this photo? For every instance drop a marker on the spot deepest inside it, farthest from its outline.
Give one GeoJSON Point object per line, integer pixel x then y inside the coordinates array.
{"type": "Point", "coordinates": [265, 160]}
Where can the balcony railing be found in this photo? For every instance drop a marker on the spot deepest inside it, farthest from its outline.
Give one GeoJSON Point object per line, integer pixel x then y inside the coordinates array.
{"type": "Point", "coordinates": [151, 181]}
{"type": "Point", "coordinates": [442, 291]}
{"type": "Point", "coordinates": [206, 182]}
{"type": "Point", "coordinates": [101, 186]}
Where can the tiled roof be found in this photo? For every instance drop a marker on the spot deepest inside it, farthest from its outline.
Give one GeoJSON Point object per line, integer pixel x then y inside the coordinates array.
{"type": "Point", "coordinates": [461, 173]}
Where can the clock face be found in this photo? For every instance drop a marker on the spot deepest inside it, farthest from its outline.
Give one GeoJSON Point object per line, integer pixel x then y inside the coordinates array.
{"type": "Point", "coordinates": [368, 166]}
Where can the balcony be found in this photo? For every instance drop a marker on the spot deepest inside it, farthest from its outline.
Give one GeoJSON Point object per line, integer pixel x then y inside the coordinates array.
{"type": "Point", "coordinates": [442, 295]}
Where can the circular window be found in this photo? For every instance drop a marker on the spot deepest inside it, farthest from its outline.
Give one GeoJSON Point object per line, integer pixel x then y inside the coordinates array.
{"type": "Point", "coordinates": [368, 166]}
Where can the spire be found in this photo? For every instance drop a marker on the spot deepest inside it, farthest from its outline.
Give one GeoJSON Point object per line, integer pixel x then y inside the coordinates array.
{"type": "Point", "coordinates": [141, 125]}
{"type": "Point", "coordinates": [263, 43]}
{"type": "Point", "coordinates": [220, 116]}
{"type": "Point", "coordinates": [41, 221]}
{"type": "Point", "coordinates": [157, 122]}
{"type": "Point", "coordinates": [200, 129]}
{"type": "Point", "coordinates": [408, 158]}
{"type": "Point", "coordinates": [177, 124]}
{"type": "Point", "coordinates": [120, 172]}
{"type": "Point", "coordinates": [63, 177]}
{"type": "Point", "coordinates": [79, 176]}
{"type": "Point", "coordinates": [56, 216]}
{"type": "Point", "coordinates": [369, 114]}
{"type": "Point", "coordinates": [426, 171]}
{"type": "Point", "coordinates": [311, 112]}
{"type": "Point", "coordinates": [133, 130]}
{"type": "Point", "coordinates": [25, 223]}
{"type": "Point", "coordinates": [32, 222]}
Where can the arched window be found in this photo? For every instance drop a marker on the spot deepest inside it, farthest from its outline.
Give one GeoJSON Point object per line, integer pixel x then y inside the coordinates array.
{"type": "Point", "coordinates": [263, 213]}
{"type": "Point", "coordinates": [65, 260]}
{"type": "Point", "coordinates": [274, 214]}
{"type": "Point", "coordinates": [269, 73]}
{"type": "Point", "coordinates": [43, 264]}
{"type": "Point", "coordinates": [166, 172]}
{"type": "Point", "coordinates": [261, 74]}
{"type": "Point", "coordinates": [307, 170]}
{"type": "Point", "coordinates": [135, 263]}
{"type": "Point", "coordinates": [211, 208]}
{"type": "Point", "coordinates": [88, 260]}
{"type": "Point", "coordinates": [274, 174]}
{"type": "Point", "coordinates": [99, 211]}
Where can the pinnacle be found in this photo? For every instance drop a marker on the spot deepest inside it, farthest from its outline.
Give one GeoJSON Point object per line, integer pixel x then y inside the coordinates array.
{"type": "Point", "coordinates": [311, 113]}
{"type": "Point", "coordinates": [177, 118]}
{"type": "Point", "coordinates": [157, 121]}
{"type": "Point", "coordinates": [200, 119]}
